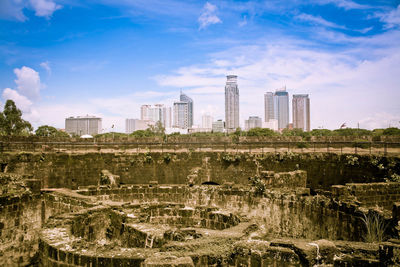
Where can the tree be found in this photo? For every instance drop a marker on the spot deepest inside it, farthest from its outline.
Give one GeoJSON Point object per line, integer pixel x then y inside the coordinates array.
{"type": "Point", "coordinates": [391, 131]}
{"type": "Point", "coordinates": [157, 129]}
{"type": "Point", "coordinates": [49, 131]}
{"type": "Point", "coordinates": [11, 122]}
{"type": "Point", "coordinates": [261, 132]}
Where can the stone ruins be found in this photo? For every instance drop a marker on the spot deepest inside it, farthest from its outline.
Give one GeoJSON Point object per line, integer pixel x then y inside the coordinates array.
{"type": "Point", "coordinates": [199, 209]}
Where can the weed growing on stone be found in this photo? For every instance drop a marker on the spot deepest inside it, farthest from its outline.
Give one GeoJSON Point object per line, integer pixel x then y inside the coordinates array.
{"type": "Point", "coordinates": [167, 158]}
{"type": "Point", "coordinates": [147, 158]}
{"type": "Point", "coordinates": [393, 178]}
{"type": "Point", "coordinates": [302, 145]}
{"type": "Point", "coordinates": [352, 160]}
{"type": "Point", "coordinates": [258, 184]}
{"type": "Point", "coordinates": [231, 158]}
{"type": "Point", "coordinates": [375, 228]}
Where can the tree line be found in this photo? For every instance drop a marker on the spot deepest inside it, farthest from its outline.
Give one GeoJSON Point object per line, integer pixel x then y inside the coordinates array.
{"type": "Point", "coordinates": [12, 124]}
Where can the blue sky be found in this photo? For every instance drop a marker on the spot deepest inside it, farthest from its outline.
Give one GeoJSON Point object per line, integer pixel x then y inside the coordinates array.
{"type": "Point", "coordinates": [107, 57]}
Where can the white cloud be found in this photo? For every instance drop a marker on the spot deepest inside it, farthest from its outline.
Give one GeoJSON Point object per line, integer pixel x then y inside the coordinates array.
{"type": "Point", "coordinates": [28, 82]}
{"type": "Point", "coordinates": [318, 21]}
{"type": "Point", "coordinates": [28, 90]}
{"type": "Point", "coordinates": [22, 102]}
{"type": "Point", "coordinates": [44, 8]}
{"type": "Point", "coordinates": [345, 4]}
{"type": "Point", "coordinates": [11, 9]}
{"type": "Point", "coordinates": [208, 16]}
{"type": "Point", "coordinates": [347, 85]}
{"type": "Point", "coordinates": [380, 120]}
{"type": "Point", "coordinates": [243, 22]}
{"type": "Point", "coordinates": [391, 18]}
{"type": "Point", "coordinates": [46, 66]}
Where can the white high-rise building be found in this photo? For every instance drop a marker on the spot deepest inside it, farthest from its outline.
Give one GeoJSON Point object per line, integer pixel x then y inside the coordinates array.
{"type": "Point", "coordinates": [145, 112]}
{"type": "Point", "coordinates": [132, 125]}
{"type": "Point", "coordinates": [183, 112]}
{"type": "Point", "coordinates": [301, 112]}
{"type": "Point", "coordinates": [276, 107]}
{"type": "Point", "coordinates": [271, 124]}
{"type": "Point", "coordinates": [181, 115]}
{"type": "Point", "coordinates": [82, 125]}
{"type": "Point", "coordinates": [252, 122]}
{"type": "Point", "coordinates": [157, 113]}
{"type": "Point", "coordinates": [218, 126]}
{"type": "Point", "coordinates": [185, 98]}
{"type": "Point", "coordinates": [269, 106]}
{"type": "Point", "coordinates": [231, 103]}
{"type": "Point", "coordinates": [206, 121]}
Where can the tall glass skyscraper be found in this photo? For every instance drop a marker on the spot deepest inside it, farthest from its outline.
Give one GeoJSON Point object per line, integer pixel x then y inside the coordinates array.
{"type": "Point", "coordinates": [301, 112]}
{"type": "Point", "coordinates": [185, 98]}
{"type": "Point", "coordinates": [281, 107]}
{"type": "Point", "coordinates": [269, 106]}
{"type": "Point", "coordinates": [276, 107]}
{"type": "Point", "coordinates": [231, 103]}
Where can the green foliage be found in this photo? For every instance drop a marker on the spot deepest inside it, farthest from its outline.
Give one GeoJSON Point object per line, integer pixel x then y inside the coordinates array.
{"type": "Point", "coordinates": [302, 145]}
{"type": "Point", "coordinates": [49, 131]}
{"type": "Point", "coordinates": [147, 158]}
{"type": "Point", "coordinates": [393, 178]}
{"type": "Point", "coordinates": [231, 158]}
{"type": "Point", "coordinates": [258, 184]}
{"type": "Point", "coordinates": [11, 122]}
{"type": "Point", "coordinates": [142, 133]}
{"type": "Point", "coordinates": [375, 228]}
{"type": "Point", "coordinates": [167, 158]}
{"type": "Point", "coordinates": [114, 135]}
{"type": "Point", "coordinates": [352, 132]}
{"type": "Point", "coordinates": [361, 143]}
{"type": "Point", "coordinates": [321, 132]}
{"type": "Point", "coordinates": [295, 132]}
{"type": "Point", "coordinates": [352, 160]}
{"type": "Point", "coordinates": [260, 132]}
{"type": "Point", "coordinates": [206, 134]}
{"type": "Point", "coordinates": [157, 129]}
{"type": "Point", "coordinates": [391, 131]}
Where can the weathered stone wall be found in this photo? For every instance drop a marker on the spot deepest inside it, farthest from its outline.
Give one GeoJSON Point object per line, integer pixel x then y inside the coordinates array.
{"type": "Point", "coordinates": [284, 213]}
{"type": "Point", "coordinates": [371, 194]}
{"type": "Point", "coordinates": [72, 170]}
{"type": "Point", "coordinates": [56, 202]}
{"type": "Point", "coordinates": [20, 223]}
{"type": "Point", "coordinates": [293, 179]}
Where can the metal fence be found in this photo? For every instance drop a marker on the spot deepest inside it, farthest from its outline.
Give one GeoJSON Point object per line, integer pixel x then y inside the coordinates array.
{"type": "Point", "coordinates": [382, 148]}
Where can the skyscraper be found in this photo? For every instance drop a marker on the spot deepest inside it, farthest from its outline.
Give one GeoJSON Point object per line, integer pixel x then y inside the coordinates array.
{"type": "Point", "coordinates": [231, 103]}
{"type": "Point", "coordinates": [281, 107]}
{"type": "Point", "coordinates": [276, 107]}
{"type": "Point", "coordinates": [301, 112]}
{"type": "Point", "coordinates": [183, 112]}
{"type": "Point", "coordinates": [181, 115]}
{"type": "Point", "coordinates": [157, 113]}
{"type": "Point", "coordinates": [252, 122]}
{"type": "Point", "coordinates": [185, 98]}
{"type": "Point", "coordinates": [145, 112]}
{"type": "Point", "coordinates": [206, 121]}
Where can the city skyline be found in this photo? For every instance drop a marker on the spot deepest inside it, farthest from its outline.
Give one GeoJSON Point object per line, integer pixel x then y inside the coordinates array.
{"type": "Point", "coordinates": [68, 58]}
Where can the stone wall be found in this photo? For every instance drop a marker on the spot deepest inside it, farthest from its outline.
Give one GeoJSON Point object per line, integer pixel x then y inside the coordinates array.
{"type": "Point", "coordinates": [288, 213]}
{"type": "Point", "coordinates": [370, 195]}
{"type": "Point", "coordinates": [58, 170]}
{"type": "Point", "coordinates": [20, 222]}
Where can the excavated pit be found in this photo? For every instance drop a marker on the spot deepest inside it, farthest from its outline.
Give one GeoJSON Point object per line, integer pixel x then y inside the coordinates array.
{"type": "Point", "coordinates": [206, 225]}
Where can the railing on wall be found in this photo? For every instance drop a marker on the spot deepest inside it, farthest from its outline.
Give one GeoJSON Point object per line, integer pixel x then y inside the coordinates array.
{"type": "Point", "coordinates": [383, 148]}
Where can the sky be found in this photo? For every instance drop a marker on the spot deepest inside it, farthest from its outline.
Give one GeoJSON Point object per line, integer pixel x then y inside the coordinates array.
{"type": "Point", "coordinates": [62, 58]}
